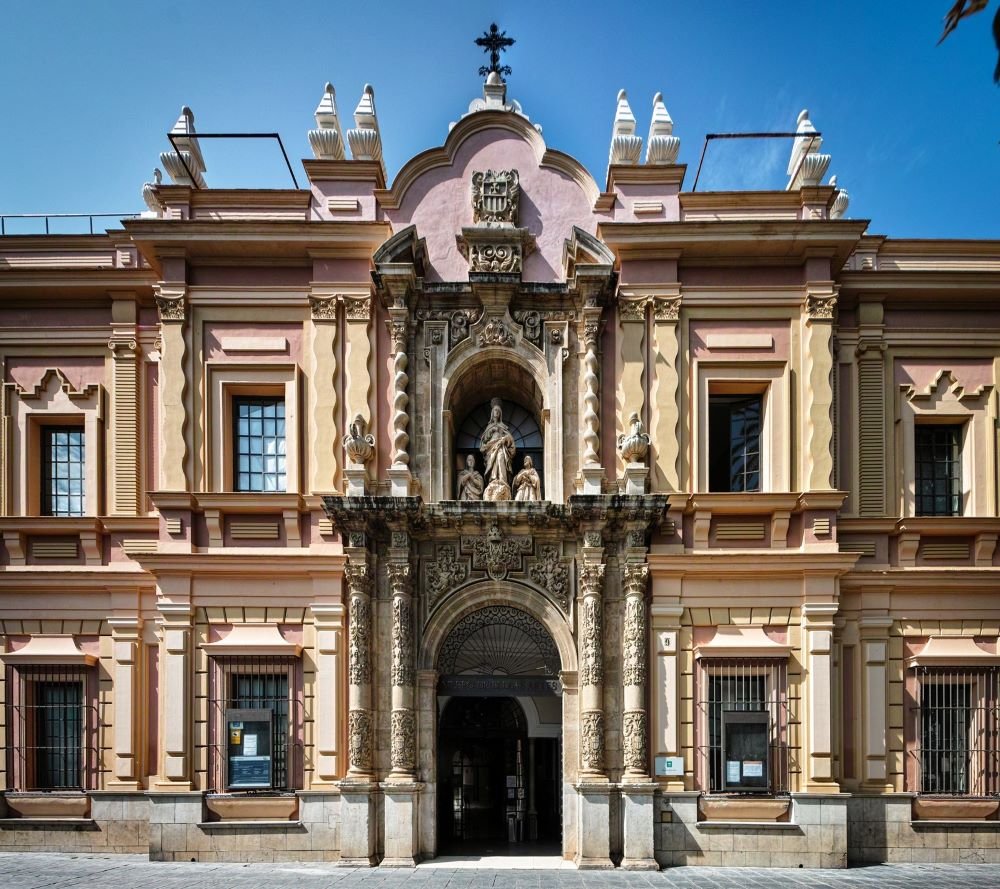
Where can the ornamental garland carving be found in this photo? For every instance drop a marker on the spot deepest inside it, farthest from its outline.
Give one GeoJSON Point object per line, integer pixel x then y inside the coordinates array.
{"type": "Point", "coordinates": [496, 554]}
{"type": "Point", "coordinates": [444, 573]}
{"type": "Point", "coordinates": [592, 740]}
{"type": "Point", "coordinates": [403, 741]}
{"type": "Point", "coordinates": [634, 642]}
{"type": "Point", "coordinates": [359, 740]}
{"type": "Point", "coordinates": [402, 641]}
{"type": "Point", "coordinates": [666, 308]}
{"type": "Point", "coordinates": [359, 669]}
{"type": "Point", "coordinates": [821, 307]}
{"type": "Point", "coordinates": [592, 660]}
{"type": "Point", "coordinates": [634, 740]}
{"type": "Point", "coordinates": [459, 322]}
{"type": "Point", "coordinates": [550, 573]}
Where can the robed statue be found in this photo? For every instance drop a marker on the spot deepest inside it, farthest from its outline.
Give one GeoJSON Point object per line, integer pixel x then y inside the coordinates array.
{"type": "Point", "coordinates": [470, 482]}
{"type": "Point", "coordinates": [527, 484]}
{"type": "Point", "coordinates": [497, 447]}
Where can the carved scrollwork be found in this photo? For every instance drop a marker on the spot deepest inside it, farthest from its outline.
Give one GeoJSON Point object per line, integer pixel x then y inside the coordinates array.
{"type": "Point", "coordinates": [496, 554]}
{"type": "Point", "coordinates": [358, 309]}
{"type": "Point", "coordinates": [632, 309]}
{"type": "Point", "coordinates": [821, 307]}
{"type": "Point", "coordinates": [592, 740]}
{"type": "Point", "coordinates": [403, 741]}
{"type": "Point", "coordinates": [634, 642]}
{"type": "Point", "coordinates": [593, 538]}
{"type": "Point", "coordinates": [592, 660]}
{"type": "Point", "coordinates": [444, 573]}
{"type": "Point", "coordinates": [549, 571]}
{"type": "Point", "coordinates": [634, 740]}
{"type": "Point", "coordinates": [359, 740]}
{"type": "Point", "coordinates": [666, 308]}
{"type": "Point", "coordinates": [170, 305]}
{"type": "Point", "coordinates": [504, 258]}
{"type": "Point", "coordinates": [323, 308]}
{"type": "Point", "coordinates": [496, 334]}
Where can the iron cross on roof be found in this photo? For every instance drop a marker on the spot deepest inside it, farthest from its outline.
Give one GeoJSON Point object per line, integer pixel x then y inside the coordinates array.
{"type": "Point", "coordinates": [494, 42]}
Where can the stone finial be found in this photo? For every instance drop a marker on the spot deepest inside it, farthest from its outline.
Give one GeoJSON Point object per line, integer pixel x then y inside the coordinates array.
{"type": "Point", "coordinates": [806, 166]}
{"type": "Point", "coordinates": [634, 444]}
{"type": "Point", "coordinates": [626, 146]}
{"type": "Point", "coordinates": [662, 146]}
{"type": "Point", "coordinates": [840, 201]}
{"type": "Point", "coordinates": [327, 140]}
{"type": "Point", "coordinates": [365, 139]}
{"type": "Point", "coordinates": [358, 442]}
{"type": "Point", "coordinates": [188, 152]}
{"type": "Point", "coordinates": [149, 192]}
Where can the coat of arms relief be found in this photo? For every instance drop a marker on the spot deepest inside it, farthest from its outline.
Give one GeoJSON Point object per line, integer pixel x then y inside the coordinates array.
{"type": "Point", "coordinates": [494, 243]}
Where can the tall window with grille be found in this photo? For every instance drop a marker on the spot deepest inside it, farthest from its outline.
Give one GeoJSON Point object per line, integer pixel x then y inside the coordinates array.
{"type": "Point", "coordinates": [52, 720]}
{"type": "Point", "coordinates": [743, 718]}
{"type": "Point", "coordinates": [734, 446]}
{"type": "Point", "coordinates": [956, 721]}
{"type": "Point", "coordinates": [63, 471]}
{"type": "Point", "coordinates": [259, 439]}
{"type": "Point", "coordinates": [255, 731]}
{"type": "Point", "coordinates": [938, 455]}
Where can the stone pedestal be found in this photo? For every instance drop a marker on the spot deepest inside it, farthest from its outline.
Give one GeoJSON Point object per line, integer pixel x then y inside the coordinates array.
{"type": "Point", "coordinates": [400, 481]}
{"type": "Point", "coordinates": [357, 824]}
{"type": "Point", "coordinates": [356, 477]}
{"type": "Point", "coordinates": [594, 823]}
{"type": "Point", "coordinates": [593, 479]}
{"type": "Point", "coordinates": [639, 827]}
{"type": "Point", "coordinates": [402, 834]}
{"type": "Point", "coordinates": [636, 475]}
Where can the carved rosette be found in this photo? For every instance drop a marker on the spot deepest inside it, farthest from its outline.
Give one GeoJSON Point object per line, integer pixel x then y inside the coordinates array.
{"type": "Point", "coordinates": [634, 740]}
{"type": "Point", "coordinates": [359, 740]}
{"type": "Point", "coordinates": [592, 740]}
{"type": "Point", "coordinates": [403, 741]}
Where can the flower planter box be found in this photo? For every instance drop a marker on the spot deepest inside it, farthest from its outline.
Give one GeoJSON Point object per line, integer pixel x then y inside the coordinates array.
{"type": "Point", "coordinates": [252, 808]}
{"type": "Point", "coordinates": [48, 805]}
{"type": "Point", "coordinates": [743, 809]}
{"type": "Point", "coordinates": [954, 809]}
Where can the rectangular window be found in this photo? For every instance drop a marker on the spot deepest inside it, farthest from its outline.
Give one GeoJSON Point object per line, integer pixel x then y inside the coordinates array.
{"type": "Point", "coordinates": [743, 726]}
{"type": "Point", "coordinates": [63, 471]}
{"type": "Point", "coordinates": [257, 723]}
{"type": "Point", "coordinates": [259, 436]}
{"type": "Point", "coordinates": [938, 454]}
{"type": "Point", "coordinates": [958, 719]}
{"type": "Point", "coordinates": [52, 723]}
{"type": "Point", "coordinates": [734, 429]}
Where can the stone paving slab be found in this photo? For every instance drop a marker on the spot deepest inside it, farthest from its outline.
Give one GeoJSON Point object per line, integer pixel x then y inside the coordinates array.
{"type": "Point", "coordinates": [39, 870]}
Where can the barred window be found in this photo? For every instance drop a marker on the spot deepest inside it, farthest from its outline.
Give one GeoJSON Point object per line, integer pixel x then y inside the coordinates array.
{"type": "Point", "coordinates": [256, 723]}
{"type": "Point", "coordinates": [52, 717]}
{"type": "Point", "coordinates": [938, 453]}
{"type": "Point", "coordinates": [956, 720]}
{"type": "Point", "coordinates": [743, 726]}
{"type": "Point", "coordinates": [259, 436]}
{"type": "Point", "coordinates": [63, 471]}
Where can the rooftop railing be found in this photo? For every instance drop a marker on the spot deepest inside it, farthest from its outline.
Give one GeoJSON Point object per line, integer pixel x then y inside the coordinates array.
{"type": "Point", "coordinates": [7, 221]}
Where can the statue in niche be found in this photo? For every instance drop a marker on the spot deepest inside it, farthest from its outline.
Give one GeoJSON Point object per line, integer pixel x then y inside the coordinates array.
{"type": "Point", "coordinates": [527, 484]}
{"type": "Point", "coordinates": [470, 481]}
{"type": "Point", "coordinates": [497, 447]}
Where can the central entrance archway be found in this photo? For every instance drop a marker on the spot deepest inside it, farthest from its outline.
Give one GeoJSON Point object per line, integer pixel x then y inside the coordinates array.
{"type": "Point", "coordinates": [499, 736]}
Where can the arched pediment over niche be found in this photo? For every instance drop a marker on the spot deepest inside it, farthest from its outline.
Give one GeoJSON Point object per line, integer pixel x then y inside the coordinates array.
{"type": "Point", "coordinates": [433, 192]}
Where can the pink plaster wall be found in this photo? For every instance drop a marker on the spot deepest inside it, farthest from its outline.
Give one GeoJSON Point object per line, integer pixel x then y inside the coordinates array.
{"type": "Point", "coordinates": [68, 318]}
{"type": "Point", "coordinates": [218, 330]}
{"type": "Point", "coordinates": [439, 203]}
{"type": "Point", "coordinates": [778, 330]}
{"type": "Point", "coordinates": [971, 373]}
{"type": "Point", "coordinates": [252, 276]}
{"type": "Point", "coordinates": [746, 276]}
{"type": "Point", "coordinates": [79, 371]}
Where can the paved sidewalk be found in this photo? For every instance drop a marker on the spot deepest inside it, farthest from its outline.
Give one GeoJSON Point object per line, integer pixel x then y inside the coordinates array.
{"type": "Point", "coordinates": [52, 871]}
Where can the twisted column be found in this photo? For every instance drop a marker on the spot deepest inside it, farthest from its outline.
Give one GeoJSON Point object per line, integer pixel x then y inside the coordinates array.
{"type": "Point", "coordinates": [359, 673]}
{"type": "Point", "coordinates": [635, 732]}
{"type": "Point", "coordinates": [591, 398]}
{"type": "Point", "coordinates": [403, 675]}
{"type": "Point", "coordinates": [400, 400]}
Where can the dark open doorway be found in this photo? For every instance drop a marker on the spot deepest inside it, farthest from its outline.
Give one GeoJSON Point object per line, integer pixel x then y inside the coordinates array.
{"type": "Point", "coordinates": [498, 788]}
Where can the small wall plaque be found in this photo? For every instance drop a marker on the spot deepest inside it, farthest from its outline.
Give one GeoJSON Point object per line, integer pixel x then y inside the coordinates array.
{"type": "Point", "coordinates": [669, 766]}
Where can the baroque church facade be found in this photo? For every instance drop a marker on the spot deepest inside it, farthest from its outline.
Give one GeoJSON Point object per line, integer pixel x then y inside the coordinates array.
{"type": "Point", "coordinates": [493, 510]}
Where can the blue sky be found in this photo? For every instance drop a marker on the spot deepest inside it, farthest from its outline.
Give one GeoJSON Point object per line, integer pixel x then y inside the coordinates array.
{"type": "Point", "coordinates": [89, 90]}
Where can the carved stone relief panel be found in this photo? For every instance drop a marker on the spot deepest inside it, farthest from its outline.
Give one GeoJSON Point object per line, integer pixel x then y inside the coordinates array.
{"type": "Point", "coordinates": [550, 571]}
{"type": "Point", "coordinates": [444, 573]}
{"type": "Point", "coordinates": [496, 553]}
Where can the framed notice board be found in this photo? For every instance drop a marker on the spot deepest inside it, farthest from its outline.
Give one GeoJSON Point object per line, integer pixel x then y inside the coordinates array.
{"type": "Point", "coordinates": [745, 748]}
{"type": "Point", "coordinates": [249, 751]}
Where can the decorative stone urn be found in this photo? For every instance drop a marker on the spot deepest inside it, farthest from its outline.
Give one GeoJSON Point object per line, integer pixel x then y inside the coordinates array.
{"type": "Point", "coordinates": [634, 444]}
